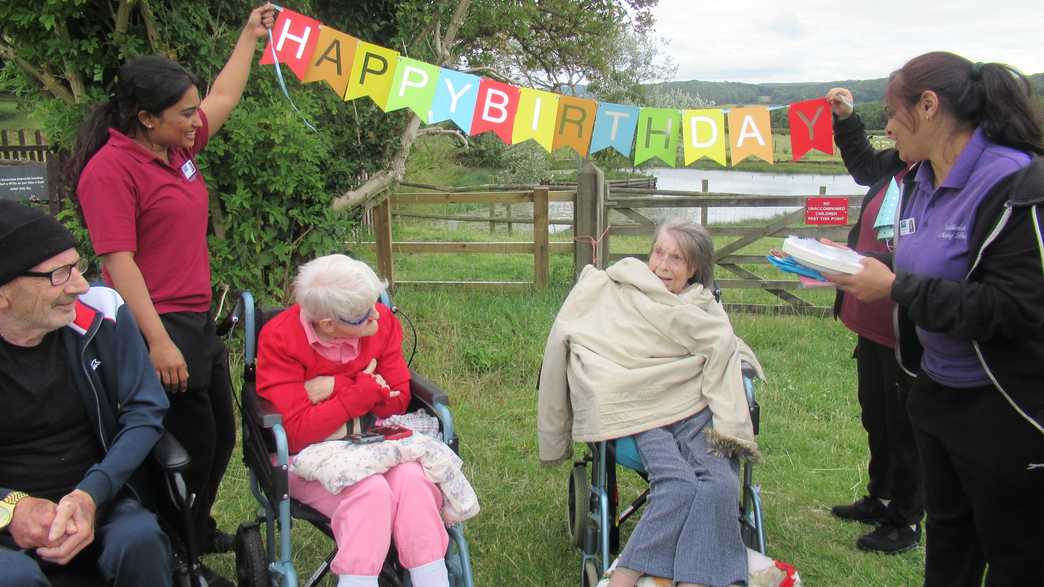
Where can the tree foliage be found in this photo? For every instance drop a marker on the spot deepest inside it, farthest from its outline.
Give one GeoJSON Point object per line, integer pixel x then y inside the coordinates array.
{"type": "Point", "coordinates": [271, 179]}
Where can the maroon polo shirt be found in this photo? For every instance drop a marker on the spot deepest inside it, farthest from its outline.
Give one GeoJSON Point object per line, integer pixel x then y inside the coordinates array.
{"type": "Point", "coordinates": [873, 320]}
{"type": "Point", "coordinates": [134, 201]}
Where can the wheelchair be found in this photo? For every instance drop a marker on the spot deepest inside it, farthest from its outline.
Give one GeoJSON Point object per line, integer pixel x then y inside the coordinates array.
{"type": "Point", "coordinates": [593, 500]}
{"type": "Point", "coordinates": [167, 462]}
{"type": "Point", "coordinates": [270, 563]}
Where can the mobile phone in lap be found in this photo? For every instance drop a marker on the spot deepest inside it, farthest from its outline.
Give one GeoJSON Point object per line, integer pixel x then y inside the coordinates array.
{"type": "Point", "coordinates": [392, 432]}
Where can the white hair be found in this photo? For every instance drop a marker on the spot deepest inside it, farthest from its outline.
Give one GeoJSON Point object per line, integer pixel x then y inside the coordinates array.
{"type": "Point", "coordinates": [336, 286]}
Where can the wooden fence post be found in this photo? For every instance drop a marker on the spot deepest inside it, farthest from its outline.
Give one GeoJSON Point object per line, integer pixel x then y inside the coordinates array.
{"type": "Point", "coordinates": [541, 258]}
{"type": "Point", "coordinates": [587, 215]}
{"type": "Point", "coordinates": [492, 215]}
{"type": "Point", "coordinates": [822, 190]}
{"type": "Point", "coordinates": [382, 230]}
{"type": "Point", "coordinates": [704, 216]}
{"type": "Point", "coordinates": [511, 227]}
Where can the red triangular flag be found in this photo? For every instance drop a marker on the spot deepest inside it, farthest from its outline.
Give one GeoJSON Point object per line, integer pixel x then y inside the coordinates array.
{"type": "Point", "coordinates": [495, 109]}
{"type": "Point", "coordinates": [811, 127]}
{"type": "Point", "coordinates": [295, 36]}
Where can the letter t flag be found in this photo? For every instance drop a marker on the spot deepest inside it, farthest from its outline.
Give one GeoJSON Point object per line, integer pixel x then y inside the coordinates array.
{"type": "Point", "coordinates": [811, 127]}
{"type": "Point", "coordinates": [295, 36]}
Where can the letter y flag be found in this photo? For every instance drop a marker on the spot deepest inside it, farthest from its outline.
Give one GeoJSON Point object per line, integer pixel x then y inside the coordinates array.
{"type": "Point", "coordinates": [811, 127]}
{"type": "Point", "coordinates": [294, 37]}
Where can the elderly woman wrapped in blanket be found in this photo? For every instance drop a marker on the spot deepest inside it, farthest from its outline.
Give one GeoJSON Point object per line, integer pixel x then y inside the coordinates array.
{"type": "Point", "coordinates": [330, 359]}
{"type": "Point", "coordinates": [646, 350]}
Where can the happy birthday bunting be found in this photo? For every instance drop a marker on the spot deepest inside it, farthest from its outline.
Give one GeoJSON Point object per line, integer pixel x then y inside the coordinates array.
{"type": "Point", "coordinates": [332, 59]}
{"type": "Point", "coordinates": [495, 109]}
{"type": "Point", "coordinates": [614, 127]}
{"type": "Point", "coordinates": [658, 132]}
{"type": "Point", "coordinates": [750, 134]}
{"type": "Point", "coordinates": [535, 118]}
{"type": "Point", "coordinates": [811, 127]}
{"type": "Point", "coordinates": [703, 135]}
{"type": "Point", "coordinates": [372, 74]}
{"type": "Point", "coordinates": [413, 87]}
{"type": "Point", "coordinates": [574, 123]}
{"type": "Point", "coordinates": [455, 96]}
{"type": "Point", "coordinates": [295, 37]}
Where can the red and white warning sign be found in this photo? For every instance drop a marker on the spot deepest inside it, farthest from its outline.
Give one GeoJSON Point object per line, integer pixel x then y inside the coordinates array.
{"type": "Point", "coordinates": [826, 211]}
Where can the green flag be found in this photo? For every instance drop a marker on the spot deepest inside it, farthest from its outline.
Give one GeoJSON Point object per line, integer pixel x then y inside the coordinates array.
{"type": "Point", "coordinates": [659, 130]}
{"type": "Point", "coordinates": [413, 87]}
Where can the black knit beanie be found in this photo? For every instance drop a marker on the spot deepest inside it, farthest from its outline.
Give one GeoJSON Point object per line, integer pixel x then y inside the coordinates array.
{"type": "Point", "coordinates": [27, 238]}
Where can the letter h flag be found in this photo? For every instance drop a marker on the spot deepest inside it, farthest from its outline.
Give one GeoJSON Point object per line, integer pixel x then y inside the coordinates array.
{"type": "Point", "coordinates": [295, 36]}
{"type": "Point", "coordinates": [811, 127]}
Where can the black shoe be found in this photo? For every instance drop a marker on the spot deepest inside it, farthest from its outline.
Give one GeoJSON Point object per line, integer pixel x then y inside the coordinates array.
{"type": "Point", "coordinates": [890, 539]}
{"type": "Point", "coordinates": [213, 579]}
{"type": "Point", "coordinates": [220, 542]}
{"type": "Point", "coordinates": [868, 510]}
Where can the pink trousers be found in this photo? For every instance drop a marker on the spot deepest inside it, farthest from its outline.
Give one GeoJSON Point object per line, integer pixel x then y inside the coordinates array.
{"type": "Point", "coordinates": [402, 504]}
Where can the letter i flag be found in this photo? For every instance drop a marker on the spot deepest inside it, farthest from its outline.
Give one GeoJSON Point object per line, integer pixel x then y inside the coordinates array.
{"type": "Point", "coordinates": [495, 109]}
{"type": "Point", "coordinates": [535, 118]}
{"type": "Point", "coordinates": [811, 127]}
{"type": "Point", "coordinates": [295, 37]}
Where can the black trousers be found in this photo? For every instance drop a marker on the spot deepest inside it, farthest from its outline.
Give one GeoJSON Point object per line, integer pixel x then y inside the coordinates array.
{"type": "Point", "coordinates": [984, 481]}
{"type": "Point", "coordinates": [894, 469]}
{"type": "Point", "coordinates": [201, 417]}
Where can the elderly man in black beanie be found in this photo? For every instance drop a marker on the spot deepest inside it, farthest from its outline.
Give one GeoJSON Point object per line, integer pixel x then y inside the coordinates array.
{"type": "Point", "coordinates": [80, 409]}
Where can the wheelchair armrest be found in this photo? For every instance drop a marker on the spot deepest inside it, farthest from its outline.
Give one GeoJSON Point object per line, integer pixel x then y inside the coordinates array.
{"type": "Point", "coordinates": [169, 453]}
{"type": "Point", "coordinates": [267, 414]}
{"type": "Point", "coordinates": [748, 370]}
{"type": "Point", "coordinates": [426, 391]}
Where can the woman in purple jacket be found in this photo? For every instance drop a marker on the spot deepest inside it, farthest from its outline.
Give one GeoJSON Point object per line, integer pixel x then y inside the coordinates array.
{"type": "Point", "coordinates": [968, 282]}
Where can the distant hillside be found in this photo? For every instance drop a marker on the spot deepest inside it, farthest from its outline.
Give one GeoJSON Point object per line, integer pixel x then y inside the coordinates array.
{"type": "Point", "coordinates": [871, 90]}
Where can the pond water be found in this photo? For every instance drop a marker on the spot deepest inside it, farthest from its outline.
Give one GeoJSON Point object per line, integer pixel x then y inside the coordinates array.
{"type": "Point", "coordinates": [745, 182]}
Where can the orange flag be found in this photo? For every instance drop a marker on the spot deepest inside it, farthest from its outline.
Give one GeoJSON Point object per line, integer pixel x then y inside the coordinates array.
{"type": "Point", "coordinates": [332, 60]}
{"type": "Point", "coordinates": [574, 125]}
{"type": "Point", "coordinates": [750, 133]}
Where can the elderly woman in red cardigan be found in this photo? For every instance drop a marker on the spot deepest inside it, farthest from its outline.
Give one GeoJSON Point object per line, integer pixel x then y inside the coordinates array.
{"type": "Point", "coordinates": [332, 358]}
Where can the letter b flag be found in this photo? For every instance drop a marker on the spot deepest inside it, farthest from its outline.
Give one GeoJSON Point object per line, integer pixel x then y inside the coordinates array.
{"type": "Point", "coordinates": [294, 36]}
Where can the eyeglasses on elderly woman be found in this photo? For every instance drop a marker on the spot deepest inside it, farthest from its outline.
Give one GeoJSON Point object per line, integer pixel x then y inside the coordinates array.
{"type": "Point", "coordinates": [364, 318]}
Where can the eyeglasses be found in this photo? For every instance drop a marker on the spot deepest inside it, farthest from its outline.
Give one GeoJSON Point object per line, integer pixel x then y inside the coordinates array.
{"type": "Point", "coordinates": [61, 275]}
{"type": "Point", "coordinates": [365, 317]}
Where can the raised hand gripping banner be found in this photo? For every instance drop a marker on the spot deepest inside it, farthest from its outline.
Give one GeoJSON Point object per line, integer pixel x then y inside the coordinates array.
{"type": "Point", "coordinates": [293, 39]}
{"type": "Point", "coordinates": [750, 133]}
{"type": "Point", "coordinates": [811, 127]}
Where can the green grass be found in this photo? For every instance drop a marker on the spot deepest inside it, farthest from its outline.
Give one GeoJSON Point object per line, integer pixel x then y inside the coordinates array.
{"type": "Point", "coordinates": [485, 346]}
{"type": "Point", "coordinates": [13, 118]}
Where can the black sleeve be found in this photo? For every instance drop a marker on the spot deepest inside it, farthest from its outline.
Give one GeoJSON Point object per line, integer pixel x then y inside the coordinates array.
{"type": "Point", "coordinates": [865, 165]}
{"type": "Point", "coordinates": [1005, 301]}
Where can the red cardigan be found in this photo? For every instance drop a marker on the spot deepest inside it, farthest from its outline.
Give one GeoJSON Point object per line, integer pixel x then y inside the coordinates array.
{"type": "Point", "coordinates": [285, 361]}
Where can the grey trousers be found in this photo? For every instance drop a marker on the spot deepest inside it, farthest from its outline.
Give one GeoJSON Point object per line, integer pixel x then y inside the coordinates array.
{"type": "Point", "coordinates": [690, 530]}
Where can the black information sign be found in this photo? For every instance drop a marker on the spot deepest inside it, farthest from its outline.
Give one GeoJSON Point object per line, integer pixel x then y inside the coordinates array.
{"type": "Point", "coordinates": [23, 181]}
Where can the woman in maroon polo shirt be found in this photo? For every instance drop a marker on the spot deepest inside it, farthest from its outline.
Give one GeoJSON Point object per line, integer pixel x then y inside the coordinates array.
{"type": "Point", "coordinates": [145, 204]}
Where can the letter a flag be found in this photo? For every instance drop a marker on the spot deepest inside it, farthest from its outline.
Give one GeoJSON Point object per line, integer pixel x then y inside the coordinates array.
{"type": "Point", "coordinates": [455, 99]}
{"type": "Point", "coordinates": [750, 132]}
{"type": "Point", "coordinates": [704, 135]}
{"type": "Point", "coordinates": [614, 127]}
{"type": "Point", "coordinates": [372, 74]}
{"type": "Point", "coordinates": [658, 132]}
{"type": "Point", "coordinates": [495, 109]}
{"type": "Point", "coordinates": [811, 127]}
{"type": "Point", "coordinates": [414, 87]}
{"type": "Point", "coordinates": [535, 118]}
{"type": "Point", "coordinates": [573, 124]}
{"type": "Point", "coordinates": [295, 36]}
{"type": "Point", "coordinates": [332, 60]}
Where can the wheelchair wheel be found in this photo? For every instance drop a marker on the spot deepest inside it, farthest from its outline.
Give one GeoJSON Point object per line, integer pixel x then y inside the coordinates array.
{"type": "Point", "coordinates": [589, 578]}
{"type": "Point", "coordinates": [579, 505]}
{"type": "Point", "coordinates": [251, 560]}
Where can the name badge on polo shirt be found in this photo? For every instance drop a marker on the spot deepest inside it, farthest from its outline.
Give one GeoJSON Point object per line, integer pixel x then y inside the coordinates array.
{"type": "Point", "coordinates": [188, 170]}
{"type": "Point", "coordinates": [907, 227]}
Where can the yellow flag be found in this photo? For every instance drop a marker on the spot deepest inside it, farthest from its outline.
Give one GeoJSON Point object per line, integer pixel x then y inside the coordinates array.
{"type": "Point", "coordinates": [373, 71]}
{"type": "Point", "coordinates": [332, 60]}
{"type": "Point", "coordinates": [750, 133]}
{"type": "Point", "coordinates": [535, 118]}
{"type": "Point", "coordinates": [703, 134]}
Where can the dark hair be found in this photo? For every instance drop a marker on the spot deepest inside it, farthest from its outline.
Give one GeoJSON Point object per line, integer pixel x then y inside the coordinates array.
{"type": "Point", "coordinates": [697, 246]}
{"type": "Point", "coordinates": [150, 83]}
{"type": "Point", "coordinates": [995, 96]}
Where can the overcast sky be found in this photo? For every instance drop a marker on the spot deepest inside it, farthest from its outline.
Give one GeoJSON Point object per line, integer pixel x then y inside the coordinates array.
{"type": "Point", "coordinates": [820, 40]}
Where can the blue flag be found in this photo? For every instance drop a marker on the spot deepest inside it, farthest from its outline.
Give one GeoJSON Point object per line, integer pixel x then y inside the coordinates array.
{"type": "Point", "coordinates": [614, 127]}
{"type": "Point", "coordinates": [455, 99]}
